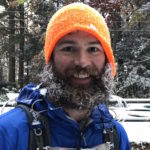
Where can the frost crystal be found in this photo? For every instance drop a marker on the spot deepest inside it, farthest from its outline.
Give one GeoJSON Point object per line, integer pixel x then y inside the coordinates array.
{"type": "Point", "coordinates": [93, 27]}
{"type": "Point", "coordinates": [83, 7]}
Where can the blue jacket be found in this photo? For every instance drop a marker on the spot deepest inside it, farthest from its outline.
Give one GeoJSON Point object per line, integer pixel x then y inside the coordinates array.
{"type": "Point", "coordinates": [64, 131]}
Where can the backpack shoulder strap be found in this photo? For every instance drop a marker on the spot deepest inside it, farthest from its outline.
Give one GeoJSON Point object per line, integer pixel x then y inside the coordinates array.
{"type": "Point", "coordinates": [115, 139]}
{"type": "Point", "coordinates": [110, 136]}
{"type": "Point", "coordinates": [38, 129]}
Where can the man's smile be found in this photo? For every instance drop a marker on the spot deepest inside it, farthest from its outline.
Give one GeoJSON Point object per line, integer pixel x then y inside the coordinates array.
{"type": "Point", "coordinates": [81, 75]}
{"type": "Point", "coordinates": [80, 79]}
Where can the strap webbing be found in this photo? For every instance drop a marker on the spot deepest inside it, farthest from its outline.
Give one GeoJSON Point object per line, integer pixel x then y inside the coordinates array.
{"type": "Point", "coordinates": [37, 140]}
{"type": "Point", "coordinates": [110, 135]}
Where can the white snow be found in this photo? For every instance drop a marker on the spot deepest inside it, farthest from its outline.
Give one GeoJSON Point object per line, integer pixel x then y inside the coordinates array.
{"type": "Point", "coordinates": [137, 131]}
{"type": "Point", "coordinates": [12, 96]}
{"type": "Point", "coordinates": [93, 27]}
{"type": "Point", "coordinates": [2, 9]}
{"type": "Point", "coordinates": [43, 91]}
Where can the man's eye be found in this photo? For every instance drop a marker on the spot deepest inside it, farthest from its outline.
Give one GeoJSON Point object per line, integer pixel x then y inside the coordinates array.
{"type": "Point", "coordinates": [93, 49]}
{"type": "Point", "coordinates": [68, 49]}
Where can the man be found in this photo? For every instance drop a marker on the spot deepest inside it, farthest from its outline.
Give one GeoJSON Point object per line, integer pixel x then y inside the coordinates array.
{"type": "Point", "coordinates": [76, 85]}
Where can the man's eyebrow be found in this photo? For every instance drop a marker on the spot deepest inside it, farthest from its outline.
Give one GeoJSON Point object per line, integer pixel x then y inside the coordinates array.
{"type": "Point", "coordinates": [66, 42]}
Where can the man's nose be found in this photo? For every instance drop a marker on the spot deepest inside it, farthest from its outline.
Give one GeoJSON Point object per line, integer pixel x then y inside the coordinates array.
{"type": "Point", "coordinates": [82, 59]}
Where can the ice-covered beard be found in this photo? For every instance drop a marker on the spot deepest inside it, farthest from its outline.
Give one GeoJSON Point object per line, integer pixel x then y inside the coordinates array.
{"type": "Point", "coordinates": [61, 93]}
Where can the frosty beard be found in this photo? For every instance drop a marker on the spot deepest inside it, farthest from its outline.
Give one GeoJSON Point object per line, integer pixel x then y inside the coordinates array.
{"type": "Point", "coordinates": [62, 94]}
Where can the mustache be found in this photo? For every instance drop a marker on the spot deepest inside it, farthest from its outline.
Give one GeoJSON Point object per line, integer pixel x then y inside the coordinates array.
{"type": "Point", "coordinates": [93, 72]}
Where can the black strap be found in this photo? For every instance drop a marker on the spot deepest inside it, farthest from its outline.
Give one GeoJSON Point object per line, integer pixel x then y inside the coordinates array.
{"type": "Point", "coordinates": [110, 135]}
{"type": "Point", "coordinates": [46, 131]}
{"type": "Point", "coordinates": [32, 142]}
{"type": "Point", "coordinates": [115, 139]}
{"type": "Point", "coordinates": [38, 137]}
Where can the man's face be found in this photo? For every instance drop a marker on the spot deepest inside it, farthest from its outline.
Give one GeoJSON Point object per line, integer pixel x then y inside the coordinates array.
{"type": "Point", "coordinates": [78, 57]}
{"type": "Point", "coordinates": [77, 76]}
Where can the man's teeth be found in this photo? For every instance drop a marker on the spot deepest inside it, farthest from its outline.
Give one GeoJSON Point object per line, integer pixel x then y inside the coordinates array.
{"type": "Point", "coordinates": [81, 76]}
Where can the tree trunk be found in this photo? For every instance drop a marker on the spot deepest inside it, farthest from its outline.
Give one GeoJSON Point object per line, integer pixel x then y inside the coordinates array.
{"type": "Point", "coordinates": [21, 54]}
{"type": "Point", "coordinates": [1, 70]}
{"type": "Point", "coordinates": [115, 39]}
{"type": "Point", "coordinates": [11, 13]}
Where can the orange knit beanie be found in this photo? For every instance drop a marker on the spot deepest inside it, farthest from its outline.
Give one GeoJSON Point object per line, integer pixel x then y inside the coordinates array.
{"type": "Point", "coordinates": [78, 16]}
